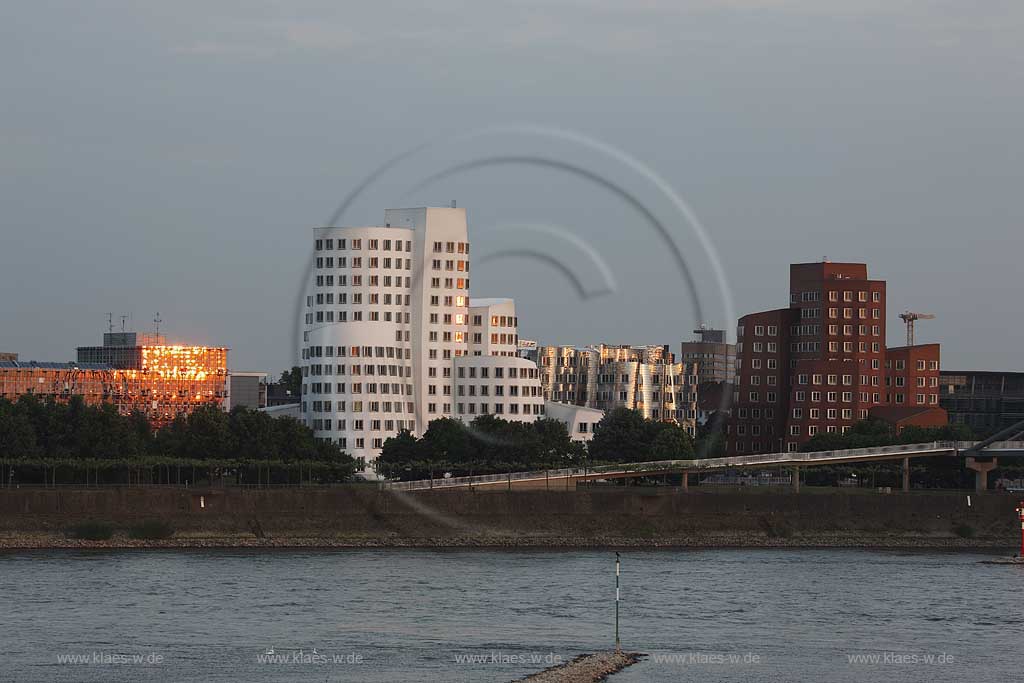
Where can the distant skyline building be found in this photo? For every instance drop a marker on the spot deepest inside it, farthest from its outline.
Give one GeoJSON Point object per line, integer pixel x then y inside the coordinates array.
{"type": "Point", "coordinates": [821, 365]}
{"type": "Point", "coordinates": [391, 339]}
{"type": "Point", "coordinates": [605, 377]}
{"type": "Point", "coordinates": [134, 373]}
{"type": "Point", "coordinates": [714, 357]}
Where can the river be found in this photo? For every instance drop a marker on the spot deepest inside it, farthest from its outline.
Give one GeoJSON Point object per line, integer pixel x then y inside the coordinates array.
{"type": "Point", "coordinates": [485, 615]}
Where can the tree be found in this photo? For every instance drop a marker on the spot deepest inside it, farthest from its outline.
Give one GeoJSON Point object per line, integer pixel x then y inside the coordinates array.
{"type": "Point", "coordinates": [556, 445]}
{"type": "Point", "coordinates": [400, 458]}
{"type": "Point", "coordinates": [17, 435]}
{"type": "Point", "coordinates": [447, 443]}
{"type": "Point", "coordinates": [672, 443]}
{"type": "Point", "coordinates": [621, 436]}
{"type": "Point", "coordinates": [291, 380]}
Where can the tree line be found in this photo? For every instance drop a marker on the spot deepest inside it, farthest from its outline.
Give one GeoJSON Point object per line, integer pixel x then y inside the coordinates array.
{"type": "Point", "coordinates": [872, 432]}
{"type": "Point", "coordinates": [488, 445]}
{"type": "Point", "coordinates": [37, 433]}
{"type": "Point", "coordinates": [492, 445]}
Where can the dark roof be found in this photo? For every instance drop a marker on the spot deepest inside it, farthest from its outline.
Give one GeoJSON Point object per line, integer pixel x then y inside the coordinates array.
{"type": "Point", "coordinates": [45, 365]}
{"type": "Point", "coordinates": [900, 413]}
{"type": "Point", "coordinates": [950, 373]}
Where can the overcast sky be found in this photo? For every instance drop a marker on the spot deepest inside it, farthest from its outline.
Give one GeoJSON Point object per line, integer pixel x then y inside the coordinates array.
{"type": "Point", "coordinates": [175, 157]}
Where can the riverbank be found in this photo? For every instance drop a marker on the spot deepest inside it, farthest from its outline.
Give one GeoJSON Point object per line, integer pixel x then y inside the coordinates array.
{"type": "Point", "coordinates": [36, 541]}
{"type": "Point", "coordinates": [364, 517]}
{"type": "Point", "coordinates": [586, 668]}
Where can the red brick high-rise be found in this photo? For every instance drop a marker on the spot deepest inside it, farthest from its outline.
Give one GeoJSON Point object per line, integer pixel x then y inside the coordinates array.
{"type": "Point", "coordinates": [820, 365]}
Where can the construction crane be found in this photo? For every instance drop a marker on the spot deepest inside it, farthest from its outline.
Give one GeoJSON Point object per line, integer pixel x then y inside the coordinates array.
{"type": "Point", "coordinates": [909, 317]}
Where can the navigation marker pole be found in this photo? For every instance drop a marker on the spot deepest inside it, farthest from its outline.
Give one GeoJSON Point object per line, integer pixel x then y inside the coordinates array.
{"type": "Point", "coordinates": [618, 646]}
{"type": "Point", "coordinates": [1020, 512]}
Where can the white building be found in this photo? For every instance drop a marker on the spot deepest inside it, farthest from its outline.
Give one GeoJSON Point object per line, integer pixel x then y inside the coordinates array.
{"type": "Point", "coordinates": [391, 339]}
{"type": "Point", "coordinates": [579, 420]}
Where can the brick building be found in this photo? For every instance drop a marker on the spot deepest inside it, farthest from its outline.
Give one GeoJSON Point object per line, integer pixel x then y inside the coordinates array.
{"type": "Point", "coordinates": [821, 364]}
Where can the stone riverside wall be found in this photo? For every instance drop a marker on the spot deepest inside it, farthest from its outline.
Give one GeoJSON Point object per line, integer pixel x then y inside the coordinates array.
{"type": "Point", "coordinates": [364, 515]}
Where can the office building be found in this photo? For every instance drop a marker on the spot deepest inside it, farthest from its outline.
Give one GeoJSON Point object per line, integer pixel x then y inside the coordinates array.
{"type": "Point", "coordinates": [714, 357]}
{"type": "Point", "coordinates": [604, 377]}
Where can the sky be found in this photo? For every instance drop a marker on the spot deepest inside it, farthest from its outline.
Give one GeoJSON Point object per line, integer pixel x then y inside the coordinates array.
{"type": "Point", "coordinates": [174, 158]}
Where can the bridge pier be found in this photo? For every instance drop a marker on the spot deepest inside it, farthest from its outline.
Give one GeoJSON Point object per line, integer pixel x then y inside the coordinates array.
{"type": "Point", "coordinates": [981, 470]}
{"type": "Point", "coordinates": [906, 475]}
{"type": "Point", "coordinates": [796, 480]}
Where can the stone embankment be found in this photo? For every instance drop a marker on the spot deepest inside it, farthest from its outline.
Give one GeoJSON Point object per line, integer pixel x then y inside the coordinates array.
{"type": "Point", "coordinates": [748, 539]}
{"type": "Point", "coordinates": [361, 516]}
{"type": "Point", "coordinates": [586, 668]}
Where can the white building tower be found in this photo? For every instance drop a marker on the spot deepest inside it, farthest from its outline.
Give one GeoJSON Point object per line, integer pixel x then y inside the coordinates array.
{"type": "Point", "coordinates": [387, 324]}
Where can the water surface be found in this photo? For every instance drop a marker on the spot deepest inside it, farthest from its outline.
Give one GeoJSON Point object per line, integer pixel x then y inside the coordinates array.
{"type": "Point", "coordinates": [412, 615]}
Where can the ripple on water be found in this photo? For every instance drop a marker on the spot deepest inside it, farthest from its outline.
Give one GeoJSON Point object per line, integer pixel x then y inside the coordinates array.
{"type": "Point", "coordinates": [410, 612]}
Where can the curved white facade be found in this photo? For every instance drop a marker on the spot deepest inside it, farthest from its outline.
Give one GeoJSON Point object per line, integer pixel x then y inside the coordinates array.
{"type": "Point", "coordinates": [388, 326]}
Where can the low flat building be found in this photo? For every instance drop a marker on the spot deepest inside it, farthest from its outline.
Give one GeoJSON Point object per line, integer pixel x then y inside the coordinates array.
{"type": "Point", "coordinates": [246, 389]}
{"type": "Point", "coordinates": [910, 416]}
{"type": "Point", "coordinates": [579, 421]}
{"type": "Point", "coordinates": [292, 410]}
{"type": "Point", "coordinates": [985, 401]}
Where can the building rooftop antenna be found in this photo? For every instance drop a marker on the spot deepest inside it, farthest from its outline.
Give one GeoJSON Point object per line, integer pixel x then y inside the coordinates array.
{"type": "Point", "coordinates": [124, 322]}
{"type": "Point", "coordinates": [156, 324]}
{"type": "Point", "coordinates": [110, 323]}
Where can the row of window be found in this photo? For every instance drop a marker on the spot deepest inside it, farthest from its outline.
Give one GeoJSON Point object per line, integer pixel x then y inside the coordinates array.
{"type": "Point", "coordinates": [356, 352]}
{"type": "Point", "coordinates": [342, 406]}
{"type": "Point", "coordinates": [329, 317]}
{"type": "Point", "coordinates": [499, 372]}
{"type": "Point", "coordinates": [389, 281]}
{"type": "Point", "coordinates": [499, 409]}
{"type": "Point", "coordinates": [373, 262]}
{"type": "Point", "coordinates": [835, 295]}
{"type": "Point", "coordinates": [357, 388]}
{"type": "Point", "coordinates": [396, 281]}
{"type": "Point", "coordinates": [450, 265]}
{"type": "Point", "coordinates": [452, 247]}
{"type": "Point", "coordinates": [499, 390]}
{"type": "Point", "coordinates": [341, 244]}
